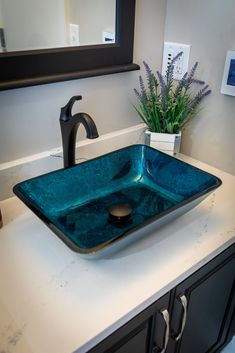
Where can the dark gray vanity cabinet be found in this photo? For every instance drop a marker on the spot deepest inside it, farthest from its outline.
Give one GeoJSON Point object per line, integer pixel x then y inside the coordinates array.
{"type": "Point", "coordinates": [197, 316]}
{"type": "Point", "coordinates": [210, 300]}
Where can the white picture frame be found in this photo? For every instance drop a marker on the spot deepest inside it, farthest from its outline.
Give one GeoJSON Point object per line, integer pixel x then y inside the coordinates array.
{"type": "Point", "coordinates": [228, 81]}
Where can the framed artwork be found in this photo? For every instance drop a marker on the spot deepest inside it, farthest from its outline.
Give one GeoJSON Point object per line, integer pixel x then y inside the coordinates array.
{"type": "Point", "coordinates": [228, 82]}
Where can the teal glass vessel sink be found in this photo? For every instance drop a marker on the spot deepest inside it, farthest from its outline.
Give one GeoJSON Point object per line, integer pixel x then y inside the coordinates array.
{"type": "Point", "coordinates": [95, 204]}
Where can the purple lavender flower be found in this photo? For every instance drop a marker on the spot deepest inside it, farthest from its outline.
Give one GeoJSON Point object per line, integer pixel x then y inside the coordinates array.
{"type": "Point", "coordinates": [170, 75]}
{"type": "Point", "coordinates": [185, 76]}
{"type": "Point", "coordinates": [206, 93]}
{"type": "Point", "coordinates": [162, 85]}
{"type": "Point", "coordinates": [163, 96]}
{"type": "Point", "coordinates": [192, 72]}
{"type": "Point", "coordinates": [149, 76]}
{"type": "Point", "coordinates": [200, 82]}
{"type": "Point", "coordinates": [190, 78]}
{"type": "Point", "coordinates": [203, 93]}
{"type": "Point", "coordinates": [170, 70]}
{"type": "Point", "coordinates": [142, 88]}
{"type": "Point", "coordinates": [181, 84]}
{"type": "Point", "coordinates": [176, 58]}
{"type": "Point", "coordinates": [197, 99]}
{"type": "Point", "coordinates": [141, 81]}
{"type": "Point", "coordinates": [138, 95]}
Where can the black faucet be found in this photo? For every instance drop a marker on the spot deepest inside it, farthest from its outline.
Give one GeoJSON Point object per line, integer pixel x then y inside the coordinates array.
{"type": "Point", "coordinates": [69, 125]}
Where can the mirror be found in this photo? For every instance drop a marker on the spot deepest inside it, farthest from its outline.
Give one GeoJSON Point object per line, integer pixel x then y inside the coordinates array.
{"type": "Point", "coordinates": [34, 24]}
{"type": "Point", "coordinates": [24, 65]}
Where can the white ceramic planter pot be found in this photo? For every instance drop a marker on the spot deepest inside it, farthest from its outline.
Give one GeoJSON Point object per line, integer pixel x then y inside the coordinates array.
{"type": "Point", "coordinates": [168, 143]}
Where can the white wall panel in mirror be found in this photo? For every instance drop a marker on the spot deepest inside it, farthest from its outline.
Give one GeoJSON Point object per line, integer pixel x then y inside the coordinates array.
{"type": "Point", "coordinates": [42, 24]}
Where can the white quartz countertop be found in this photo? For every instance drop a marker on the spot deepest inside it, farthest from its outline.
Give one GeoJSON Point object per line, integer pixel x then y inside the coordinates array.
{"type": "Point", "coordinates": [53, 300]}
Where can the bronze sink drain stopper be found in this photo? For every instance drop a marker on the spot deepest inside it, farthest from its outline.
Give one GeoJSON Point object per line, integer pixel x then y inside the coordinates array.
{"type": "Point", "coordinates": [120, 212]}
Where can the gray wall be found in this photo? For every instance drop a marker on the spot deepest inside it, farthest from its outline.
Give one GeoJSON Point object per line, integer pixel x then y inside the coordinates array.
{"type": "Point", "coordinates": [29, 116]}
{"type": "Point", "coordinates": [209, 26]}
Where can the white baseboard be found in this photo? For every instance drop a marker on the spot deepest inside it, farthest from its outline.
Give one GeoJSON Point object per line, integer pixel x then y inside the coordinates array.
{"type": "Point", "coordinates": [21, 169]}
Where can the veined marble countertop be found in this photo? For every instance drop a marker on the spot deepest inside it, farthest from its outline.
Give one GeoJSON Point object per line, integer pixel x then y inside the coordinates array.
{"type": "Point", "coordinates": [53, 300]}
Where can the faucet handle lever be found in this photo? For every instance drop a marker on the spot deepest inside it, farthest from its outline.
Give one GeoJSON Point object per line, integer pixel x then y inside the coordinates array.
{"type": "Point", "coordinates": [66, 111]}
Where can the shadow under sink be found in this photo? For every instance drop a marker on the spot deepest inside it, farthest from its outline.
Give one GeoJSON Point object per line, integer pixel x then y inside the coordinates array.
{"type": "Point", "coordinates": [97, 203]}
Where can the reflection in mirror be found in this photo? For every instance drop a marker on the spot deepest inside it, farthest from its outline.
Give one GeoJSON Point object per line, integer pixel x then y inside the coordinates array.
{"type": "Point", "coordinates": [42, 24]}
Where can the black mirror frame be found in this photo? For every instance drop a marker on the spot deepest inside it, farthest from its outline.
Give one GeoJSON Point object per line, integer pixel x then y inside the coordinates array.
{"type": "Point", "coordinates": [29, 68]}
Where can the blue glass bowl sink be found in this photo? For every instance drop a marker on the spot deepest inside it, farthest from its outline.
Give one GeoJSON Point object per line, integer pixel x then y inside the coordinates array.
{"type": "Point", "coordinates": [75, 202]}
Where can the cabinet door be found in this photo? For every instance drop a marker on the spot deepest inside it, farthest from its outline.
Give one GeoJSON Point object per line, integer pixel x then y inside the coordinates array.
{"type": "Point", "coordinates": [210, 295]}
{"type": "Point", "coordinates": [137, 335]}
{"type": "Point", "coordinates": [136, 341]}
{"type": "Point", "coordinates": [127, 339]}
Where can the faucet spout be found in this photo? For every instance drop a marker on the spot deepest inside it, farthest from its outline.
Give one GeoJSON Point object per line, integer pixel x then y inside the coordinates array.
{"type": "Point", "coordinates": [69, 125]}
{"type": "Point", "coordinates": [88, 123]}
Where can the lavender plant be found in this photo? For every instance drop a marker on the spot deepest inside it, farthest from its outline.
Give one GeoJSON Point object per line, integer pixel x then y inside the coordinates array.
{"type": "Point", "coordinates": [165, 106]}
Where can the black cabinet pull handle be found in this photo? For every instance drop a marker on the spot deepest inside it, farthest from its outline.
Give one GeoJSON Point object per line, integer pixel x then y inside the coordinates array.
{"type": "Point", "coordinates": [184, 302]}
{"type": "Point", "coordinates": [166, 318]}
